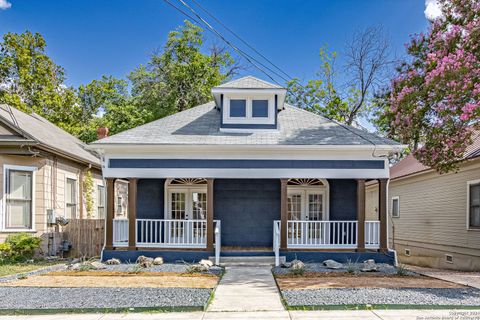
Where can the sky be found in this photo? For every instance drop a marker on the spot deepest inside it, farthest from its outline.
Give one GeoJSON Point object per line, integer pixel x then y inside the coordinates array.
{"type": "Point", "coordinates": [94, 38]}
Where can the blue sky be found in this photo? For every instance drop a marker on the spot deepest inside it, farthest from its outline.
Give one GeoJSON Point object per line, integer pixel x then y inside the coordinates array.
{"type": "Point", "coordinates": [93, 38]}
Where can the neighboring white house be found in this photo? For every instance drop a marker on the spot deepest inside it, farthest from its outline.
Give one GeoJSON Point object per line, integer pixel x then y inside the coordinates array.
{"type": "Point", "coordinates": [435, 219]}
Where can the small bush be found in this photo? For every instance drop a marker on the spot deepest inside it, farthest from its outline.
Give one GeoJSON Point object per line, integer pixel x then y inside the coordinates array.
{"type": "Point", "coordinates": [351, 267]}
{"type": "Point", "coordinates": [401, 270]}
{"type": "Point", "coordinates": [22, 246]}
{"type": "Point", "coordinates": [5, 251]}
{"type": "Point", "coordinates": [297, 271]}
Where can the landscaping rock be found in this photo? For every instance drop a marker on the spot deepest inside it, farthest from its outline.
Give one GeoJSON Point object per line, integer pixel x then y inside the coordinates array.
{"type": "Point", "coordinates": [75, 266]}
{"type": "Point", "coordinates": [196, 268]}
{"type": "Point", "coordinates": [112, 261]}
{"type": "Point", "coordinates": [369, 266]}
{"type": "Point", "coordinates": [206, 263]}
{"type": "Point", "coordinates": [145, 262]}
{"type": "Point", "coordinates": [158, 261]}
{"type": "Point", "coordinates": [97, 265]}
{"type": "Point", "coordinates": [332, 264]}
{"type": "Point", "coordinates": [297, 265]}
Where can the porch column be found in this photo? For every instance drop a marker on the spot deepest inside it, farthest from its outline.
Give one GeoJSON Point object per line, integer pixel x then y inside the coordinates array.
{"type": "Point", "coordinates": [210, 229]}
{"type": "Point", "coordinates": [361, 215]}
{"type": "Point", "coordinates": [132, 213]}
{"type": "Point", "coordinates": [283, 213]}
{"type": "Point", "coordinates": [110, 213]}
{"type": "Point", "coordinates": [382, 212]}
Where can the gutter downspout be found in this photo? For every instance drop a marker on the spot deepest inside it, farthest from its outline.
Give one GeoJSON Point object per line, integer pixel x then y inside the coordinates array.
{"type": "Point", "coordinates": [392, 250]}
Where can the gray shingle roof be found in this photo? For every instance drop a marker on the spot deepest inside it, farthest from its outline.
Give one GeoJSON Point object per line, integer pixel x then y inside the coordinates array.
{"type": "Point", "coordinates": [249, 82]}
{"type": "Point", "coordinates": [47, 134]}
{"type": "Point", "coordinates": [200, 125]}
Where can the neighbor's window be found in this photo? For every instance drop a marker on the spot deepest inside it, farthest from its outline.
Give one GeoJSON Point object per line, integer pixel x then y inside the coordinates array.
{"type": "Point", "coordinates": [101, 202]}
{"type": "Point", "coordinates": [395, 207]}
{"type": "Point", "coordinates": [71, 199]}
{"type": "Point", "coordinates": [238, 108]}
{"type": "Point", "coordinates": [260, 108]}
{"type": "Point", "coordinates": [474, 205]}
{"type": "Point", "coordinates": [18, 199]}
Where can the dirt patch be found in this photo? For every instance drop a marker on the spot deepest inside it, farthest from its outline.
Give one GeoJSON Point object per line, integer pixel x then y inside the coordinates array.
{"type": "Point", "coordinates": [109, 281]}
{"type": "Point", "coordinates": [363, 281]}
{"type": "Point", "coordinates": [100, 273]}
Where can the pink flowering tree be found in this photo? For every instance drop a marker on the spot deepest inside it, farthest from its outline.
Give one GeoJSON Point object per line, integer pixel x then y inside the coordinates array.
{"type": "Point", "coordinates": [435, 99]}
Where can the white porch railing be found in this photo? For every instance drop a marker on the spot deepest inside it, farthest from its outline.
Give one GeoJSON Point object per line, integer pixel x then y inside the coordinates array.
{"type": "Point", "coordinates": [120, 232]}
{"type": "Point", "coordinates": [171, 233]}
{"type": "Point", "coordinates": [276, 241]}
{"type": "Point", "coordinates": [372, 234]}
{"type": "Point", "coordinates": [322, 234]}
{"type": "Point", "coordinates": [218, 241]}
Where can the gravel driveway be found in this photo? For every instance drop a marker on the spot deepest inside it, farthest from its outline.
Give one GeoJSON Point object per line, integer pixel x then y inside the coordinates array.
{"type": "Point", "coordinates": [420, 296]}
{"type": "Point", "coordinates": [60, 298]}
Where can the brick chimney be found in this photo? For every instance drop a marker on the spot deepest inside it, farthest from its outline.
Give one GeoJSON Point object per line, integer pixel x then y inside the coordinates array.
{"type": "Point", "coordinates": [102, 132]}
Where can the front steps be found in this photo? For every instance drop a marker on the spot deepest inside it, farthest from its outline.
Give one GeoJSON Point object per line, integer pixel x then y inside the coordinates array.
{"type": "Point", "coordinates": [247, 260]}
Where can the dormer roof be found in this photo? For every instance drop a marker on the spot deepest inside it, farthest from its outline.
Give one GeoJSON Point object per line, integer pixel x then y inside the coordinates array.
{"type": "Point", "coordinates": [249, 82]}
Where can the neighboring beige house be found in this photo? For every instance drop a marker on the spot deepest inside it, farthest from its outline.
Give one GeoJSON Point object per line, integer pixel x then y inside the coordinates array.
{"type": "Point", "coordinates": [434, 220]}
{"type": "Point", "coordinates": [43, 172]}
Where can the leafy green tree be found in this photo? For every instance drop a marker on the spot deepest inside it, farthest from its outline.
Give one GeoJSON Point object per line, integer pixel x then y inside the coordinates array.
{"type": "Point", "coordinates": [181, 76]}
{"type": "Point", "coordinates": [32, 82]}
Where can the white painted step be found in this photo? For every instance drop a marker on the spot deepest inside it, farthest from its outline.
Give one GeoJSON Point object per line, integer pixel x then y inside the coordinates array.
{"type": "Point", "coordinates": [249, 260]}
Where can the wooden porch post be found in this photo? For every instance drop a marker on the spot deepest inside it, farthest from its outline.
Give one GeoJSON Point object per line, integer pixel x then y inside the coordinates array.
{"type": "Point", "coordinates": [110, 213]}
{"type": "Point", "coordinates": [361, 215]}
{"type": "Point", "coordinates": [382, 212]}
{"type": "Point", "coordinates": [132, 213]}
{"type": "Point", "coordinates": [283, 213]}
{"type": "Point", "coordinates": [210, 229]}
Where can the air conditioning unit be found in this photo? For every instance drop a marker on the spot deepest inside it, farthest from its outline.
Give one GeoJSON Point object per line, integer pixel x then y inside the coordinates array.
{"type": "Point", "coordinates": [51, 216]}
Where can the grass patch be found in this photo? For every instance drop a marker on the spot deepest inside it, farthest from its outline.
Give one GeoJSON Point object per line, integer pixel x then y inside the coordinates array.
{"type": "Point", "coordinates": [7, 269]}
{"type": "Point", "coordinates": [378, 307]}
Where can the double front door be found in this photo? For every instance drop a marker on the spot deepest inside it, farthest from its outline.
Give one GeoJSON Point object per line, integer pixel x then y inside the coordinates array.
{"type": "Point", "coordinates": [187, 214]}
{"type": "Point", "coordinates": [306, 205]}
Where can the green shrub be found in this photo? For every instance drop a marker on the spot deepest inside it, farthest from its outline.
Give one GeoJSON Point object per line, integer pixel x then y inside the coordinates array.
{"type": "Point", "coordinates": [5, 251]}
{"type": "Point", "coordinates": [22, 246]}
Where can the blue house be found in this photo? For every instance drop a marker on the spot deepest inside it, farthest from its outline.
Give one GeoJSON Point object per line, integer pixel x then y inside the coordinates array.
{"type": "Point", "coordinates": [246, 174]}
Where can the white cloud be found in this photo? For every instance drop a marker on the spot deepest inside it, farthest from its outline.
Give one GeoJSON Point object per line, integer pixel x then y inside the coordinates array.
{"type": "Point", "coordinates": [432, 9]}
{"type": "Point", "coordinates": [4, 5]}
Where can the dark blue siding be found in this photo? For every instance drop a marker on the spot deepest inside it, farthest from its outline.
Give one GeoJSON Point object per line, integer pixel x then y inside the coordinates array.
{"type": "Point", "coordinates": [343, 199]}
{"type": "Point", "coordinates": [247, 209]}
{"type": "Point", "coordinates": [343, 257]}
{"type": "Point", "coordinates": [150, 198]}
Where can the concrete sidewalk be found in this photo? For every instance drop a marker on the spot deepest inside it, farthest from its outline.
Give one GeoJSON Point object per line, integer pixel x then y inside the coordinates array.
{"type": "Point", "coordinates": [471, 279]}
{"type": "Point", "coordinates": [268, 315]}
{"type": "Point", "coordinates": [247, 288]}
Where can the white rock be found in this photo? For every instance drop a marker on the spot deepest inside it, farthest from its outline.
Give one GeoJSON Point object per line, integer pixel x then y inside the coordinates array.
{"type": "Point", "coordinates": [112, 261]}
{"type": "Point", "coordinates": [369, 266]}
{"type": "Point", "coordinates": [97, 265]}
{"type": "Point", "coordinates": [196, 268]}
{"type": "Point", "coordinates": [332, 264]}
{"type": "Point", "coordinates": [75, 266]}
{"type": "Point", "coordinates": [144, 262]}
{"type": "Point", "coordinates": [158, 261]}
{"type": "Point", "coordinates": [297, 264]}
{"type": "Point", "coordinates": [206, 263]}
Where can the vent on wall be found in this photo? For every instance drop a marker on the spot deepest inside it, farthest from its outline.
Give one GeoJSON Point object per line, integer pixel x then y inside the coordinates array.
{"type": "Point", "coordinates": [407, 252]}
{"type": "Point", "coordinates": [449, 258]}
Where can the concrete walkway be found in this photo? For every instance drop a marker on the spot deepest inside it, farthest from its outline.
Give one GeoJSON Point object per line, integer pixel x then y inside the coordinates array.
{"type": "Point", "coordinates": [471, 279]}
{"type": "Point", "coordinates": [247, 288]}
{"type": "Point", "coordinates": [268, 315]}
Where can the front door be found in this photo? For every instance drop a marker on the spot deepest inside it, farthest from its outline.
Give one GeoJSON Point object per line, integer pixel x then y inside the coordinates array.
{"type": "Point", "coordinates": [306, 205]}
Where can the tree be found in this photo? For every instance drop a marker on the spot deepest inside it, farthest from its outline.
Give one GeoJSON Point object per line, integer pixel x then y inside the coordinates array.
{"type": "Point", "coordinates": [365, 69]}
{"type": "Point", "coordinates": [181, 76]}
{"type": "Point", "coordinates": [32, 82]}
{"type": "Point", "coordinates": [434, 101]}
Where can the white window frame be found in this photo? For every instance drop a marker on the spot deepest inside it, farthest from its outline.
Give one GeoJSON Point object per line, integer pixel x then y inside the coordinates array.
{"type": "Point", "coordinates": [77, 196]}
{"type": "Point", "coordinates": [97, 203]}
{"type": "Point", "coordinates": [249, 119]}
{"type": "Point", "coordinates": [469, 183]}
{"type": "Point", "coordinates": [305, 191]}
{"type": "Point", "coordinates": [391, 207]}
{"type": "Point", "coordinates": [3, 205]}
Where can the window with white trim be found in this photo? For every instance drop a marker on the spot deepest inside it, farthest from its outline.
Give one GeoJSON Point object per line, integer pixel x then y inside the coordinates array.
{"type": "Point", "coordinates": [395, 207]}
{"type": "Point", "coordinates": [252, 109]}
{"type": "Point", "coordinates": [18, 199]}
{"type": "Point", "coordinates": [71, 198]}
{"type": "Point", "coordinates": [474, 205]}
{"type": "Point", "coordinates": [101, 202]}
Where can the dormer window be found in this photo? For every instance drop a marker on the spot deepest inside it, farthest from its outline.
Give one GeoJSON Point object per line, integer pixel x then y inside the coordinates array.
{"type": "Point", "coordinates": [249, 103]}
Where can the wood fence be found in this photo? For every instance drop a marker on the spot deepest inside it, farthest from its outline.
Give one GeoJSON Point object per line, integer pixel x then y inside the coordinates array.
{"type": "Point", "coordinates": [86, 236]}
